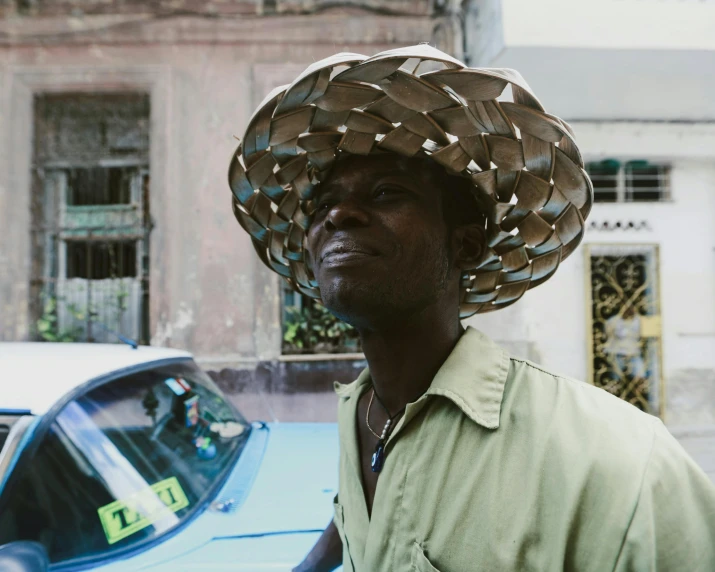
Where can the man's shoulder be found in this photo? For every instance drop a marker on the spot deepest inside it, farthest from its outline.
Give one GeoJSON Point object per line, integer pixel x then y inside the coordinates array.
{"type": "Point", "coordinates": [553, 390]}
{"type": "Point", "coordinates": [577, 418]}
{"type": "Point", "coordinates": [609, 465]}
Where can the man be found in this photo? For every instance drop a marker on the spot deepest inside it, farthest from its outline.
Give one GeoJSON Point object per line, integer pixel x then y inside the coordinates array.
{"type": "Point", "coordinates": [406, 201]}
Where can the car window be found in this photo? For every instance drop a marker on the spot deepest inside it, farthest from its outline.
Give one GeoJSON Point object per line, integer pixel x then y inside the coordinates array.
{"type": "Point", "coordinates": [4, 432]}
{"type": "Point", "coordinates": [6, 423]}
{"type": "Point", "coordinates": [124, 463]}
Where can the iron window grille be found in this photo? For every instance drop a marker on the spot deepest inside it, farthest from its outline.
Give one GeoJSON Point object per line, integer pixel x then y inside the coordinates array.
{"type": "Point", "coordinates": [629, 182]}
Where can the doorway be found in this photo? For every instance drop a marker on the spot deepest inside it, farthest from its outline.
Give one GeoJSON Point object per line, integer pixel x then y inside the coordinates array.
{"type": "Point", "coordinates": [624, 325]}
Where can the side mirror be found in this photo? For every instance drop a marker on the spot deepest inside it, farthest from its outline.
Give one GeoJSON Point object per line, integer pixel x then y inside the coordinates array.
{"type": "Point", "coordinates": [23, 556]}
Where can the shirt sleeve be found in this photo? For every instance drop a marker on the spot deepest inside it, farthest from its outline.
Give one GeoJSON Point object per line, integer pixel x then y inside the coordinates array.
{"type": "Point", "coordinates": [673, 524]}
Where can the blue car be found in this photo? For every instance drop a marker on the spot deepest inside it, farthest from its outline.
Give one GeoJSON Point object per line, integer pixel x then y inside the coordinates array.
{"type": "Point", "coordinates": [122, 459]}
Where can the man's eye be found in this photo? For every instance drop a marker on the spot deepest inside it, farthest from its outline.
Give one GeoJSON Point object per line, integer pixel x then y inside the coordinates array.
{"type": "Point", "coordinates": [383, 192]}
{"type": "Point", "coordinates": [324, 201]}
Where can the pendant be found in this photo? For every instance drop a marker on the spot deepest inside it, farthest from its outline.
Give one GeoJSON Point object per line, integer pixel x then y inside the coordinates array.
{"type": "Point", "coordinates": [378, 457]}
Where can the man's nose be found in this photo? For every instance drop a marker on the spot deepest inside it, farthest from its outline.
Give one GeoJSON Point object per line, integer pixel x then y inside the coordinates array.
{"type": "Point", "coordinates": [346, 214]}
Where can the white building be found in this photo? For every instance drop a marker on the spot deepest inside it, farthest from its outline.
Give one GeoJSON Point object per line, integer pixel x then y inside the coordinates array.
{"type": "Point", "coordinates": [635, 80]}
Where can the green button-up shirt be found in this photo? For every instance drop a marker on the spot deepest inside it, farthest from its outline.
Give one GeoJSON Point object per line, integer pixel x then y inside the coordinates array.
{"type": "Point", "coordinates": [503, 466]}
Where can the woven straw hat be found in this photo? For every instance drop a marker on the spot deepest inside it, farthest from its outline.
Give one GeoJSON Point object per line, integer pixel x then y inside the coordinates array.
{"type": "Point", "coordinates": [417, 101]}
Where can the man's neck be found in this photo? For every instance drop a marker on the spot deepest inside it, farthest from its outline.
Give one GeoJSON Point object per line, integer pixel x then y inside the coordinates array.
{"type": "Point", "coordinates": [404, 358]}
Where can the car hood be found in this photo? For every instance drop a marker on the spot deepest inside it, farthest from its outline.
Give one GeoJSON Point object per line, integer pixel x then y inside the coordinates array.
{"type": "Point", "coordinates": [294, 486]}
{"type": "Point", "coordinates": [282, 490]}
{"type": "Point", "coordinates": [275, 553]}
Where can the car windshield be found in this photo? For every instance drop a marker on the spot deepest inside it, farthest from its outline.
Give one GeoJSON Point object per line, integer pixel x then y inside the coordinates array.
{"type": "Point", "coordinates": [123, 463]}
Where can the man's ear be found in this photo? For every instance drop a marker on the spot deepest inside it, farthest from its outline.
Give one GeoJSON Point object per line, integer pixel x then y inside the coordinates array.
{"type": "Point", "coordinates": [469, 243]}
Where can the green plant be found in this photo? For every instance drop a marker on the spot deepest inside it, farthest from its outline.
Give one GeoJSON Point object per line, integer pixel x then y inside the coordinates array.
{"type": "Point", "coordinates": [312, 328]}
{"type": "Point", "coordinates": [48, 327]}
{"type": "Point", "coordinates": [122, 300]}
{"type": "Point", "coordinates": [48, 324]}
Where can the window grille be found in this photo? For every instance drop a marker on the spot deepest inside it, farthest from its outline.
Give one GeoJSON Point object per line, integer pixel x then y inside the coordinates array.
{"type": "Point", "coordinates": [102, 260]}
{"type": "Point", "coordinates": [99, 186]}
{"type": "Point", "coordinates": [630, 182]}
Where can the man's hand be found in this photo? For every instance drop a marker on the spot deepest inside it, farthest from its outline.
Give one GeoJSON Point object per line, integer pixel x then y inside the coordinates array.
{"type": "Point", "coordinates": [326, 555]}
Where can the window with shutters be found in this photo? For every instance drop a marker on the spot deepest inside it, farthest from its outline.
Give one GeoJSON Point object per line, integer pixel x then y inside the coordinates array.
{"type": "Point", "coordinates": [91, 220]}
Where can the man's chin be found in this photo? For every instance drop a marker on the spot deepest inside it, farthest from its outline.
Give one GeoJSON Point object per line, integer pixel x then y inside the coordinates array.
{"type": "Point", "coordinates": [353, 301]}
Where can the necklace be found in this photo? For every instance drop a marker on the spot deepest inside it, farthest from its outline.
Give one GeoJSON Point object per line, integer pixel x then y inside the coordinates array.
{"type": "Point", "coordinates": [378, 457]}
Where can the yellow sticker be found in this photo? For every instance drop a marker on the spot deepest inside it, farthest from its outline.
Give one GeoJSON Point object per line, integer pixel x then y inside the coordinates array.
{"type": "Point", "coordinates": [126, 516]}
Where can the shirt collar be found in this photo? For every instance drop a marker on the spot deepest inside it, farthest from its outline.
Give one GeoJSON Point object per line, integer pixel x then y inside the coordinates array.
{"type": "Point", "coordinates": [473, 377]}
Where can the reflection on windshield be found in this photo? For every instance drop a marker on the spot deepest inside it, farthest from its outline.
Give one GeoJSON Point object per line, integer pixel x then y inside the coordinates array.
{"type": "Point", "coordinates": [120, 477]}
{"type": "Point", "coordinates": [124, 463]}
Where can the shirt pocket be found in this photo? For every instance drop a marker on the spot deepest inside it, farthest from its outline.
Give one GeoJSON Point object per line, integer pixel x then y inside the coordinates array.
{"type": "Point", "coordinates": [420, 562]}
{"type": "Point", "coordinates": [339, 521]}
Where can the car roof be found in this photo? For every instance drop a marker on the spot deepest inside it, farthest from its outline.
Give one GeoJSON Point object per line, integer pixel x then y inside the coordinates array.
{"type": "Point", "coordinates": [34, 375]}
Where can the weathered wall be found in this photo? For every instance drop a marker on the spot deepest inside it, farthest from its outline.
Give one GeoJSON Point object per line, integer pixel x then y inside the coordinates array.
{"type": "Point", "coordinates": [209, 293]}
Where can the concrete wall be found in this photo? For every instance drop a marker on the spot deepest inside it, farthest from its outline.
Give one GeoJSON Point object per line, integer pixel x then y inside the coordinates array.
{"type": "Point", "coordinates": [205, 73]}
{"type": "Point", "coordinates": [681, 227]}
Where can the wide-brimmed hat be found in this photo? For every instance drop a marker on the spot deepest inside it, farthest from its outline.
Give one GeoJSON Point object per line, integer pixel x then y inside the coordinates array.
{"type": "Point", "coordinates": [417, 101]}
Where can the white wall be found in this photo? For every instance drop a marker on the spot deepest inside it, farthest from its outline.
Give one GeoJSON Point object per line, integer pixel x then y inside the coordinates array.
{"type": "Point", "coordinates": [608, 84]}
{"type": "Point", "coordinates": [613, 24]}
{"type": "Point", "coordinates": [607, 59]}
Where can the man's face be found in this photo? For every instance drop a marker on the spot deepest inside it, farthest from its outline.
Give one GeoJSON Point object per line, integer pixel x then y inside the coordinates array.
{"type": "Point", "coordinates": [378, 243]}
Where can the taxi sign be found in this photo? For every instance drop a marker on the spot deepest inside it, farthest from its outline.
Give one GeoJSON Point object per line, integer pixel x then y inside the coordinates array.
{"type": "Point", "coordinates": [124, 517]}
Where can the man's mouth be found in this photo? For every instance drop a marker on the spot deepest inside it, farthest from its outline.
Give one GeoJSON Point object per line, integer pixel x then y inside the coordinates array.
{"type": "Point", "coordinates": [344, 252]}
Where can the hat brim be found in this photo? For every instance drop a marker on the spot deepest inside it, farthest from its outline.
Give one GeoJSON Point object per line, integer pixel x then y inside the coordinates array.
{"type": "Point", "coordinates": [523, 162]}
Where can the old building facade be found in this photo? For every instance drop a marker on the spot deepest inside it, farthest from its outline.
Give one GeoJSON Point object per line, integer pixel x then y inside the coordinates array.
{"type": "Point", "coordinates": [118, 122]}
